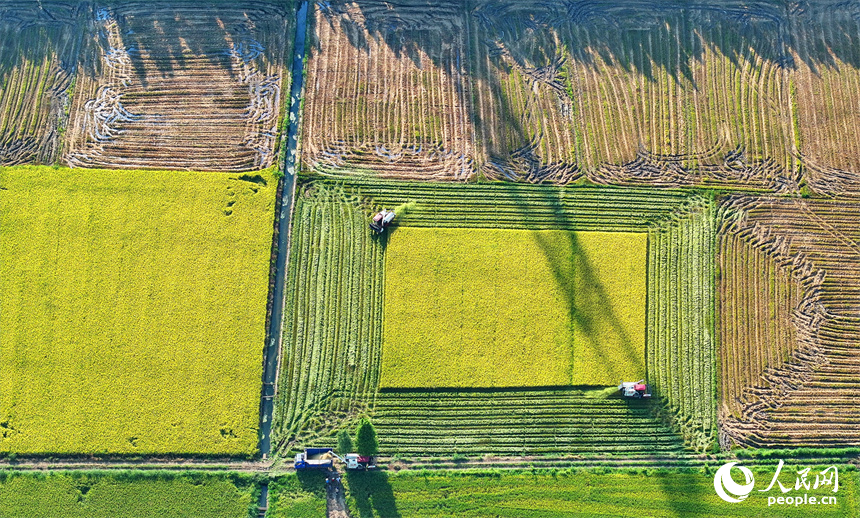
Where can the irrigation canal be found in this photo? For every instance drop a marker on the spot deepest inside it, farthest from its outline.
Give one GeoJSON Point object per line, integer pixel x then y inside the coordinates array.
{"type": "Point", "coordinates": [271, 354]}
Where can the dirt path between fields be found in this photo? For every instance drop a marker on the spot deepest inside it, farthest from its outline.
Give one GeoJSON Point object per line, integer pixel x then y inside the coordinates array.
{"type": "Point", "coordinates": [335, 499]}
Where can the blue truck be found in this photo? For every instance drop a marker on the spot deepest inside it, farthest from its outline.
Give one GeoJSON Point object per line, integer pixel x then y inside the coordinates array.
{"type": "Point", "coordinates": [314, 458]}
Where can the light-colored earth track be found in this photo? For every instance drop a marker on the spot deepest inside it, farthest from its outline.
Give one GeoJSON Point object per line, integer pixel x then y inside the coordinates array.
{"type": "Point", "coordinates": [178, 87]}
{"type": "Point", "coordinates": [807, 399]}
{"type": "Point", "coordinates": [385, 91]}
{"type": "Point", "coordinates": [38, 52]}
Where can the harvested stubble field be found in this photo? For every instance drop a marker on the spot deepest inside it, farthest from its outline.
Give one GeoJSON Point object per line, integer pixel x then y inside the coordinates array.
{"type": "Point", "coordinates": [174, 86]}
{"type": "Point", "coordinates": [38, 52]}
{"type": "Point", "coordinates": [133, 310]}
{"type": "Point", "coordinates": [633, 93]}
{"type": "Point", "coordinates": [728, 94]}
{"type": "Point", "coordinates": [825, 86]}
{"type": "Point", "coordinates": [790, 315]}
{"type": "Point", "coordinates": [384, 90]}
{"type": "Point", "coordinates": [126, 494]}
{"type": "Point", "coordinates": [332, 371]}
{"type": "Point", "coordinates": [513, 308]}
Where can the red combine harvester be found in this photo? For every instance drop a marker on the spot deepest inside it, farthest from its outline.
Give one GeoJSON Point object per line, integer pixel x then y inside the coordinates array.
{"type": "Point", "coordinates": [359, 462]}
{"type": "Point", "coordinates": [634, 389]}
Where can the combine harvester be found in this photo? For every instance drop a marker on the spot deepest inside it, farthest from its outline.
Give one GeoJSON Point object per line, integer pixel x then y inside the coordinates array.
{"type": "Point", "coordinates": [634, 389]}
{"type": "Point", "coordinates": [323, 458]}
{"type": "Point", "coordinates": [381, 221]}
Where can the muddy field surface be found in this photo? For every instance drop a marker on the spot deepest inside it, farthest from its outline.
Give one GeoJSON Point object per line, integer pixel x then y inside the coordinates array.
{"type": "Point", "coordinates": [38, 50]}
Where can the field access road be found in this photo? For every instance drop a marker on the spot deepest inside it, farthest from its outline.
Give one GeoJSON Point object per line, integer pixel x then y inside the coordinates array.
{"type": "Point", "coordinates": [271, 354]}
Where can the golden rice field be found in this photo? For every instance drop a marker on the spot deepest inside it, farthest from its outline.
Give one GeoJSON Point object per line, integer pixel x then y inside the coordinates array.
{"type": "Point", "coordinates": [133, 310]}
{"type": "Point", "coordinates": [505, 308]}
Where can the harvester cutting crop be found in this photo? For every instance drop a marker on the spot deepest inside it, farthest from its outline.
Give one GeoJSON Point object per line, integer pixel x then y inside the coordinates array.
{"type": "Point", "coordinates": [634, 389]}
{"type": "Point", "coordinates": [381, 221]}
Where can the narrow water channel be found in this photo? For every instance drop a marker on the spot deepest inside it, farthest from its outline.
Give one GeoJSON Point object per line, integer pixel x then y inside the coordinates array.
{"type": "Point", "coordinates": [270, 368]}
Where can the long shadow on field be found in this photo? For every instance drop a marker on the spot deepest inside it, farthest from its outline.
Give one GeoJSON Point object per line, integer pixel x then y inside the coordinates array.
{"type": "Point", "coordinates": [312, 481]}
{"type": "Point", "coordinates": [372, 493]}
{"type": "Point", "coordinates": [511, 47]}
{"type": "Point", "coordinates": [32, 35]}
{"type": "Point", "coordinates": [38, 53]}
{"type": "Point", "coordinates": [596, 294]}
{"type": "Point", "coordinates": [630, 34]}
{"type": "Point", "coordinates": [679, 495]}
{"type": "Point", "coordinates": [171, 39]}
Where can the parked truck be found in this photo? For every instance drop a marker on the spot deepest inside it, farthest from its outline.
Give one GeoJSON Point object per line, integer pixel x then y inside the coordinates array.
{"type": "Point", "coordinates": [315, 458]}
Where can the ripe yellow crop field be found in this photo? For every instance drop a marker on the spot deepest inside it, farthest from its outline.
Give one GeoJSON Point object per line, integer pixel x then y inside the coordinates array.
{"type": "Point", "coordinates": [133, 310]}
{"type": "Point", "coordinates": [504, 308]}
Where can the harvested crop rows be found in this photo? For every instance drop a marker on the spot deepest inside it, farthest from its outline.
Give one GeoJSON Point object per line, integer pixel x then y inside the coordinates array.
{"type": "Point", "coordinates": [681, 342]}
{"type": "Point", "coordinates": [758, 297]}
{"type": "Point", "coordinates": [797, 386]}
{"type": "Point", "coordinates": [680, 224]}
{"type": "Point", "coordinates": [727, 95]}
{"type": "Point", "coordinates": [385, 91]}
{"type": "Point", "coordinates": [640, 93]}
{"type": "Point", "coordinates": [333, 332]}
{"type": "Point", "coordinates": [180, 88]}
{"type": "Point", "coordinates": [38, 52]}
{"type": "Point", "coordinates": [826, 86]}
{"type": "Point", "coordinates": [527, 422]}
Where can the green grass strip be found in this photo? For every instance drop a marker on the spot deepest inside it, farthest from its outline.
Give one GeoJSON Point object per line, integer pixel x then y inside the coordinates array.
{"type": "Point", "coordinates": [567, 494]}
{"type": "Point", "coordinates": [126, 495]}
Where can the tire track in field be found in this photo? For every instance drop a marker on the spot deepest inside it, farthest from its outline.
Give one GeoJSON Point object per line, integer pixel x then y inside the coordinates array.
{"type": "Point", "coordinates": [806, 398]}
